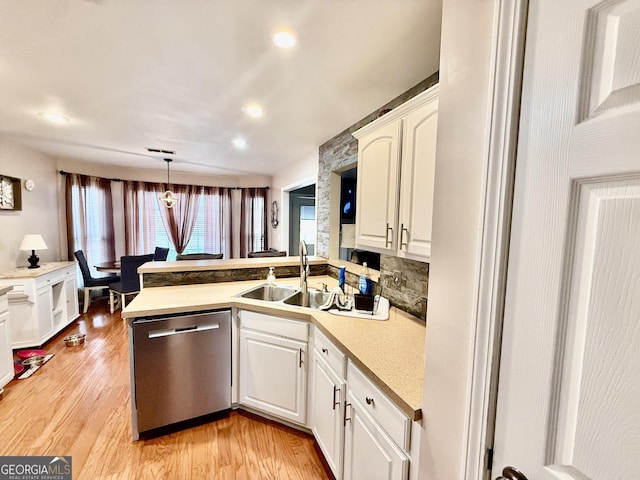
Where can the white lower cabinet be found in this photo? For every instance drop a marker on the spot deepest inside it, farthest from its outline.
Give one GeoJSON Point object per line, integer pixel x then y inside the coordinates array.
{"type": "Point", "coordinates": [327, 400]}
{"type": "Point", "coordinates": [377, 433]}
{"type": "Point", "coordinates": [361, 433]}
{"type": "Point", "coordinates": [273, 365]}
{"type": "Point", "coordinates": [6, 354]}
{"type": "Point", "coordinates": [42, 301]}
{"type": "Point", "coordinates": [369, 452]}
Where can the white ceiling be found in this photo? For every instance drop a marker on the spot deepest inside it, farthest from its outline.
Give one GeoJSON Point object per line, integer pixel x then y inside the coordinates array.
{"type": "Point", "coordinates": [174, 74]}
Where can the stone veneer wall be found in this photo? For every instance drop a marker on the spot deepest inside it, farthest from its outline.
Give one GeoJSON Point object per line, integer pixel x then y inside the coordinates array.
{"type": "Point", "coordinates": [232, 275]}
{"type": "Point", "coordinates": [338, 154]}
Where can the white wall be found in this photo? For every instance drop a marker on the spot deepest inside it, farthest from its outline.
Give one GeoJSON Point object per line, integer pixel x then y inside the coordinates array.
{"type": "Point", "coordinates": [463, 134]}
{"type": "Point", "coordinates": [295, 175]}
{"type": "Point", "coordinates": [39, 208]}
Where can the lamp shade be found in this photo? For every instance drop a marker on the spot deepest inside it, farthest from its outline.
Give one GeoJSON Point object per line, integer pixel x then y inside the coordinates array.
{"type": "Point", "coordinates": [33, 241]}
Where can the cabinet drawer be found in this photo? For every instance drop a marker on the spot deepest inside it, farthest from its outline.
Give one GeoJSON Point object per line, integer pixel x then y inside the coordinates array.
{"type": "Point", "coordinates": [327, 350]}
{"type": "Point", "coordinates": [295, 329]}
{"type": "Point", "coordinates": [50, 279]}
{"type": "Point", "coordinates": [379, 406]}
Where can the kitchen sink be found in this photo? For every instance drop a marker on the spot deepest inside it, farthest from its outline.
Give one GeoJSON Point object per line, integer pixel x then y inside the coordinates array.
{"type": "Point", "coordinates": [313, 299]}
{"type": "Point", "coordinates": [270, 293]}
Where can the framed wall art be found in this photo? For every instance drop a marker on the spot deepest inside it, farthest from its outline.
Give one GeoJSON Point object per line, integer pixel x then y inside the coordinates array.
{"type": "Point", "coordinates": [10, 193]}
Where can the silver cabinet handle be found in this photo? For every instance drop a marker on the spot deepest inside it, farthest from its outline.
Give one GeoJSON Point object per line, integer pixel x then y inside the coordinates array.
{"type": "Point", "coordinates": [386, 236]}
{"type": "Point", "coordinates": [301, 361]}
{"type": "Point", "coordinates": [326, 351]}
{"type": "Point", "coordinates": [402, 230]}
{"type": "Point", "coordinates": [369, 400]}
{"type": "Point", "coordinates": [344, 414]}
{"type": "Point", "coordinates": [335, 390]}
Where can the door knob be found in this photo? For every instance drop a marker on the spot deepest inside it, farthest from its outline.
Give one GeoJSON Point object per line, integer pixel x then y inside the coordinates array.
{"type": "Point", "coordinates": [510, 473]}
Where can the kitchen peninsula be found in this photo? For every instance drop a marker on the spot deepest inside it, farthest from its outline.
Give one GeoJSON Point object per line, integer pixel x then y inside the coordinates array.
{"type": "Point", "coordinates": [379, 366]}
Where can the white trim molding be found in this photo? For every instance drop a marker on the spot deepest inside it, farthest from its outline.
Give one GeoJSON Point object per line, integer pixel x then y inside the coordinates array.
{"type": "Point", "coordinates": [508, 59]}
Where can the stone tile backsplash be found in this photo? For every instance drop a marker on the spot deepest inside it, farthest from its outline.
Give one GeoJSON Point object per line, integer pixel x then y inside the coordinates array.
{"type": "Point", "coordinates": [408, 293]}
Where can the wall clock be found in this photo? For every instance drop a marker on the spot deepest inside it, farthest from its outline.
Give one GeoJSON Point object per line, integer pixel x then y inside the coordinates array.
{"type": "Point", "coordinates": [10, 198]}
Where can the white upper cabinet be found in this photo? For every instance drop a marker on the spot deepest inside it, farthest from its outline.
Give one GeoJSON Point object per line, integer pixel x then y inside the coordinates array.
{"type": "Point", "coordinates": [378, 175]}
{"type": "Point", "coordinates": [396, 164]}
{"type": "Point", "coordinates": [417, 181]}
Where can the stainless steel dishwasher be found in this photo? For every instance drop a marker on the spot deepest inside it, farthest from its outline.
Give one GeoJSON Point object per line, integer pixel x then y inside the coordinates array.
{"type": "Point", "coordinates": [180, 369]}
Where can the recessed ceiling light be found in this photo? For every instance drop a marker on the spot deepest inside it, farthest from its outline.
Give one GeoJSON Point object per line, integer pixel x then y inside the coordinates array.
{"type": "Point", "coordinates": [54, 117]}
{"type": "Point", "coordinates": [253, 110]}
{"type": "Point", "coordinates": [239, 142]}
{"type": "Point", "coordinates": [284, 40]}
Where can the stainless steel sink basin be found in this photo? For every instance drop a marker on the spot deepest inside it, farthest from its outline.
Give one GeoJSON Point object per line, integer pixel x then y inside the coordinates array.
{"type": "Point", "coordinates": [270, 293]}
{"type": "Point", "coordinates": [313, 299]}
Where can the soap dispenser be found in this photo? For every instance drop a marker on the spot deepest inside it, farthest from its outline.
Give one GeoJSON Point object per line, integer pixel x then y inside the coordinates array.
{"type": "Point", "coordinates": [271, 277]}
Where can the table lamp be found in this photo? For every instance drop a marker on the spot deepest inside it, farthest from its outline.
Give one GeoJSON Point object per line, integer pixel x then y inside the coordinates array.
{"type": "Point", "coordinates": [33, 242]}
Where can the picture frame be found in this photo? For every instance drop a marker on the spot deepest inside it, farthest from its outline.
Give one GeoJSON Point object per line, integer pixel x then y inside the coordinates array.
{"type": "Point", "coordinates": [10, 193]}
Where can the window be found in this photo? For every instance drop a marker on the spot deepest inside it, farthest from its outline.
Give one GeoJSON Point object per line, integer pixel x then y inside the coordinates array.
{"type": "Point", "coordinates": [90, 218]}
{"type": "Point", "coordinates": [145, 228]}
{"type": "Point", "coordinates": [253, 220]}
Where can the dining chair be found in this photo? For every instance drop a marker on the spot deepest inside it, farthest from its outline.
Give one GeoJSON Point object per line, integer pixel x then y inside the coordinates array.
{"type": "Point", "coordinates": [90, 282]}
{"type": "Point", "coordinates": [272, 252]}
{"type": "Point", "coordinates": [129, 283]}
{"type": "Point", "coordinates": [160, 254]}
{"type": "Point", "coordinates": [199, 256]}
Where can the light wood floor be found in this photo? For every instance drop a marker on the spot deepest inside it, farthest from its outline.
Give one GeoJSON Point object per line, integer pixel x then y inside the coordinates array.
{"type": "Point", "coordinates": [78, 404]}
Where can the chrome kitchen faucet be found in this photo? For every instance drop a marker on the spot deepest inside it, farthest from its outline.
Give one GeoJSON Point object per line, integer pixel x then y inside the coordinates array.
{"type": "Point", "coordinates": [304, 266]}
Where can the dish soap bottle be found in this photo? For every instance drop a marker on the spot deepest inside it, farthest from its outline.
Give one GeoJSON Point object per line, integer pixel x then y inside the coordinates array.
{"type": "Point", "coordinates": [271, 278]}
{"type": "Point", "coordinates": [364, 285]}
{"type": "Point", "coordinates": [342, 277]}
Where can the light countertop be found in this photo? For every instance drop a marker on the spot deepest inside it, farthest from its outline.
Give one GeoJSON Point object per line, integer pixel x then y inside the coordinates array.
{"type": "Point", "coordinates": [231, 264]}
{"type": "Point", "coordinates": [26, 272]}
{"type": "Point", "coordinates": [390, 352]}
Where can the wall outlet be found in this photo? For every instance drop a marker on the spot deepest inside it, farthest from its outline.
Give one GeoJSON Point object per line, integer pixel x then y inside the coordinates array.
{"type": "Point", "coordinates": [396, 278]}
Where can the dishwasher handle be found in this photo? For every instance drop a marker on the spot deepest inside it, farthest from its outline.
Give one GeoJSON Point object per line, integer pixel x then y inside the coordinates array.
{"type": "Point", "coordinates": [181, 330]}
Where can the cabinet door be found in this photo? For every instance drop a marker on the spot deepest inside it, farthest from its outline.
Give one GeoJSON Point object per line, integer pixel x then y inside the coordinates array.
{"type": "Point", "coordinates": [417, 181]}
{"type": "Point", "coordinates": [71, 294]}
{"type": "Point", "coordinates": [327, 406]}
{"type": "Point", "coordinates": [6, 354]}
{"type": "Point", "coordinates": [273, 374]}
{"type": "Point", "coordinates": [44, 309]}
{"type": "Point", "coordinates": [369, 453]}
{"type": "Point", "coordinates": [377, 204]}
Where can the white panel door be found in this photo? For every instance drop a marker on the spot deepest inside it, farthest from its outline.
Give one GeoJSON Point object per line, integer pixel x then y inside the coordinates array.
{"type": "Point", "coordinates": [368, 452]}
{"type": "Point", "coordinates": [71, 294]}
{"type": "Point", "coordinates": [377, 203]}
{"type": "Point", "coordinates": [569, 392]}
{"type": "Point", "coordinates": [417, 181]}
{"type": "Point", "coordinates": [44, 309]}
{"type": "Point", "coordinates": [6, 354]}
{"type": "Point", "coordinates": [327, 408]}
{"type": "Point", "coordinates": [273, 375]}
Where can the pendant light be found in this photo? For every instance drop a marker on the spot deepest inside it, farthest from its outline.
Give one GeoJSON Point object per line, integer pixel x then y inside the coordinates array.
{"type": "Point", "coordinates": [168, 198]}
